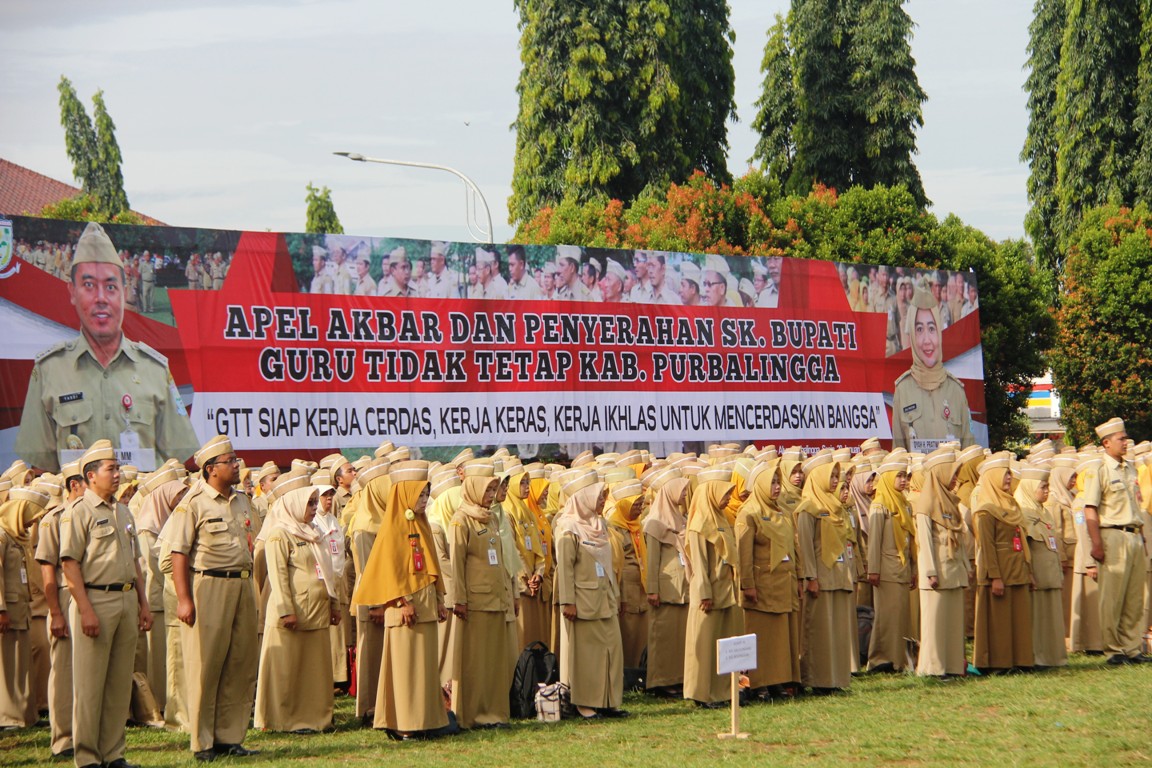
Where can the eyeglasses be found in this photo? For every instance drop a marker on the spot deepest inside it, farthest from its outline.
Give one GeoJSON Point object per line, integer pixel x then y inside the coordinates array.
{"type": "Point", "coordinates": [713, 283]}
{"type": "Point", "coordinates": [234, 460]}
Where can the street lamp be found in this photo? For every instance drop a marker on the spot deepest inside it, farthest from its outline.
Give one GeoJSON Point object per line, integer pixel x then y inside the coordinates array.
{"type": "Point", "coordinates": [478, 233]}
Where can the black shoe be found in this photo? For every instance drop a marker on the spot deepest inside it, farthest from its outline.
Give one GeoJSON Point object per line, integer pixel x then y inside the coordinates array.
{"type": "Point", "coordinates": [613, 712]}
{"type": "Point", "coordinates": [206, 755]}
{"type": "Point", "coordinates": [712, 704]}
{"type": "Point", "coordinates": [593, 716]}
{"type": "Point", "coordinates": [1118, 659]}
{"type": "Point", "coordinates": [1140, 658]}
{"type": "Point", "coordinates": [120, 763]}
{"type": "Point", "coordinates": [92, 765]}
{"type": "Point", "coordinates": [64, 754]}
{"type": "Point", "coordinates": [234, 750]}
{"type": "Point", "coordinates": [305, 731]}
{"type": "Point", "coordinates": [886, 667]}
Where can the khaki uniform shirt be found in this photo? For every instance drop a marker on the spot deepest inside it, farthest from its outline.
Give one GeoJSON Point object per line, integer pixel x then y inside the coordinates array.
{"type": "Point", "coordinates": [211, 529]}
{"type": "Point", "coordinates": [294, 583]}
{"type": "Point", "coordinates": [101, 537]}
{"type": "Point", "coordinates": [631, 587]}
{"type": "Point", "coordinates": [442, 286]}
{"type": "Point", "coordinates": [72, 402]}
{"type": "Point", "coordinates": [497, 288]}
{"type": "Point", "coordinates": [366, 286]}
{"type": "Point", "coordinates": [147, 271]}
{"type": "Point", "coordinates": [15, 597]}
{"type": "Point", "coordinates": [776, 590]}
{"type": "Point", "coordinates": [526, 289]}
{"type": "Point", "coordinates": [713, 578]}
{"type": "Point", "coordinates": [996, 554]}
{"type": "Point", "coordinates": [936, 416]}
{"type": "Point", "coordinates": [477, 561]}
{"type": "Point", "coordinates": [932, 558]}
{"type": "Point", "coordinates": [841, 576]}
{"type": "Point", "coordinates": [883, 558]}
{"type": "Point", "coordinates": [666, 574]}
{"type": "Point", "coordinates": [1112, 490]}
{"type": "Point", "coordinates": [323, 282]}
{"type": "Point", "coordinates": [583, 582]}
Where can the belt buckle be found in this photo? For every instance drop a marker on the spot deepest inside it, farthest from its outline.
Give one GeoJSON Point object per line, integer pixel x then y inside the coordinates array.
{"type": "Point", "coordinates": [245, 574]}
{"type": "Point", "coordinates": [126, 588]}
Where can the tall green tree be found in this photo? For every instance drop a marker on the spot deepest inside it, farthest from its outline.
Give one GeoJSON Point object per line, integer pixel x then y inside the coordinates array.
{"type": "Point", "coordinates": [1143, 171]}
{"type": "Point", "coordinates": [840, 101]}
{"type": "Point", "coordinates": [321, 217]}
{"type": "Point", "coordinates": [617, 96]}
{"type": "Point", "coordinates": [1096, 108]}
{"type": "Point", "coordinates": [1045, 40]}
{"type": "Point", "coordinates": [94, 152]}
{"type": "Point", "coordinates": [776, 108]}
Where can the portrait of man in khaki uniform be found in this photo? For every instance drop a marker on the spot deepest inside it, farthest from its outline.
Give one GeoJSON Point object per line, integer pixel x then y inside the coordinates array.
{"type": "Point", "coordinates": [101, 385]}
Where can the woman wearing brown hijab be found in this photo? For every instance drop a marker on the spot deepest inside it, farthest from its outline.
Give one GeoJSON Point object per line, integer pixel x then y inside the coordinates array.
{"type": "Point", "coordinates": [294, 688]}
{"type": "Point", "coordinates": [667, 582]}
{"type": "Point", "coordinates": [22, 509]}
{"type": "Point", "coordinates": [862, 489]}
{"type": "Point", "coordinates": [1003, 573]}
{"type": "Point", "coordinates": [942, 566]}
{"type": "Point", "coordinates": [766, 539]}
{"type": "Point", "coordinates": [1048, 647]}
{"type": "Point", "coordinates": [589, 602]}
{"type": "Point", "coordinates": [713, 609]}
{"type": "Point", "coordinates": [823, 533]}
{"type": "Point", "coordinates": [403, 575]}
{"type": "Point", "coordinates": [481, 588]}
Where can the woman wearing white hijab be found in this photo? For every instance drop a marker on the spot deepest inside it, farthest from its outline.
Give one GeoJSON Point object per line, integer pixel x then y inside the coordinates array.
{"type": "Point", "coordinates": [589, 603]}
{"type": "Point", "coordinates": [294, 692]}
{"type": "Point", "coordinates": [667, 583]}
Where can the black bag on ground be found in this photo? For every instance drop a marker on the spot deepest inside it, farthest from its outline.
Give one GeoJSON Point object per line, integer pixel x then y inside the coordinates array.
{"type": "Point", "coordinates": [535, 667]}
{"type": "Point", "coordinates": [864, 618]}
{"type": "Point", "coordinates": [634, 677]}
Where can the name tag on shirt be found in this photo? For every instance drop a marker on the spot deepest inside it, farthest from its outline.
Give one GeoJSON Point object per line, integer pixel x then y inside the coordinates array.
{"type": "Point", "coordinates": [319, 573]}
{"type": "Point", "coordinates": [681, 556]}
{"type": "Point", "coordinates": [1052, 543]}
{"type": "Point", "coordinates": [1079, 518]}
{"type": "Point", "coordinates": [786, 559]}
{"type": "Point", "coordinates": [848, 549]}
{"type": "Point", "coordinates": [528, 543]}
{"type": "Point", "coordinates": [333, 546]}
{"type": "Point", "coordinates": [493, 559]}
{"type": "Point", "coordinates": [599, 570]}
{"type": "Point", "coordinates": [23, 576]}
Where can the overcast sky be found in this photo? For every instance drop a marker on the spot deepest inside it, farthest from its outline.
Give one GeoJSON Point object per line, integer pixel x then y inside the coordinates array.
{"type": "Point", "coordinates": [225, 110]}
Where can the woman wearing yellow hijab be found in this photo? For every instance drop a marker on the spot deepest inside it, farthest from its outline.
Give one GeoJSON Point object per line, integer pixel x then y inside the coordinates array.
{"type": "Point", "coordinates": [666, 581]}
{"type": "Point", "coordinates": [766, 539]}
{"type": "Point", "coordinates": [627, 505]}
{"type": "Point", "coordinates": [826, 560]}
{"type": "Point", "coordinates": [890, 530]}
{"type": "Point", "coordinates": [1003, 573]}
{"type": "Point", "coordinates": [533, 620]}
{"type": "Point", "coordinates": [403, 575]}
{"type": "Point", "coordinates": [942, 567]}
{"type": "Point", "coordinates": [713, 611]}
{"type": "Point", "coordinates": [23, 508]}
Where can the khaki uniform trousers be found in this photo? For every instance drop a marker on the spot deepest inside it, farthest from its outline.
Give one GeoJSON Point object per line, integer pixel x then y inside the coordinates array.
{"type": "Point", "coordinates": [60, 682]}
{"type": "Point", "coordinates": [220, 660]}
{"type": "Point", "coordinates": [102, 676]}
{"type": "Point", "coordinates": [1122, 576]}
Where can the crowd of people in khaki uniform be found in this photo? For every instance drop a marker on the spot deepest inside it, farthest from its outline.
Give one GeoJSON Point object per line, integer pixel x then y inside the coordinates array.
{"type": "Point", "coordinates": [230, 595]}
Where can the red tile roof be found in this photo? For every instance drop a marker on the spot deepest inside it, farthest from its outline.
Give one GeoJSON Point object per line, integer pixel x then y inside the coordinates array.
{"type": "Point", "coordinates": [23, 192]}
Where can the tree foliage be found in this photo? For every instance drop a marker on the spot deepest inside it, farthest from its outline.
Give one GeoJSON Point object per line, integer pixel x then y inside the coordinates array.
{"type": "Point", "coordinates": [1101, 364]}
{"type": "Point", "coordinates": [1142, 177]}
{"type": "Point", "coordinates": [881, 225]}
{"type": "Point", "coordinates": [94, 153]}
{"type": "Point", "coordinates": [1046, 37]}
{"type": "Point", "coordinates": [321, 217]}
{"type": "Point", "coordinates": [1095, 108]}
{"type": "Point", "coordinates": [840, 101]}
{"type": "Point", "coordinates": [84, 207]}
{"type": "Point", "coordinates": [618, 95]}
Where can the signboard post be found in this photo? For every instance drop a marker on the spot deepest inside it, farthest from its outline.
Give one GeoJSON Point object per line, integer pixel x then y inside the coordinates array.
{"type": "Point", "coordinates": [734, 655]}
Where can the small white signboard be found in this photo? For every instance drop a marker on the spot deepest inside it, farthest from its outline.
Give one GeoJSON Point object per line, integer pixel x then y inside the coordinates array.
{"type": "Point", "coordinates": [735, 654]}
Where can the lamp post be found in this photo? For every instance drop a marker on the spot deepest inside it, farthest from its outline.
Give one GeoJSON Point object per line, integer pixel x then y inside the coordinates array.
{"type": "Point", "coordinates": [478, 233]}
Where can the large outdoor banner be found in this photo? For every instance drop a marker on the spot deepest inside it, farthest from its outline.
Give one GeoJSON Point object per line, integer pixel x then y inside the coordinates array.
{"type": "Point", "coordinates": [297, 344]}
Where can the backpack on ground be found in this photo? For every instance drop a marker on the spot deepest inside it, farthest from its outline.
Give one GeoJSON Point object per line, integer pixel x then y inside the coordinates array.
{"type": "Point", "coordinates": [535, 667]}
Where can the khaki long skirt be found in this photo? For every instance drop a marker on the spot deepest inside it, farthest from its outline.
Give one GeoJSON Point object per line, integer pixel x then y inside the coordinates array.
{"type": "Point", "coordinates": [484, 669]}
{"type": "Point", "coordinates": [294, 688]}
{"type": "Point", "coordinates": [1003, 628]}
{"type": "Point", "coordinates": [597, 663]}
{"type": "Point", "coordinates": [941, 633]}
{"type": "Point", "coordinates": [534, 622]}
{"type": "Point", "coordinates": [369, 653]}
{"type": "Point", "coordinates": [444, 632]}
{"type": "Point", "coordinates": [890, 628]}
{"type": "Point", "coordinates": [701, 683]}
{"type": "Point", "coordinates": [829, 622]}
{"type": "Point", "coordinates": [408, 697]}
{"type": "Point", "coordinates": [634, 636]}
{"type": "Point", "coordinates": [666, 634]}
{"type": "Point", "coordinates": [1084, 633]}
{"type": "Point", "coordinates": [777, 647]}
{"type": "Point", "coordinates": [1048, 647]}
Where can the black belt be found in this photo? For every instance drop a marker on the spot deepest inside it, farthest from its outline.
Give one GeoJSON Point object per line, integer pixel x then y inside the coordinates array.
{"type": "Point", "coordinates": [111, 587]}
{"type": "Point", "coordinates": [224, 574]}
{"type": "Point", "coordinates": [1125, 528]}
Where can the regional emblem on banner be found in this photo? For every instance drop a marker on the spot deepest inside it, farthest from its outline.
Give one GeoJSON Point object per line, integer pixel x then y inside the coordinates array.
{"type": "Point", "coordinates": [6, 267]}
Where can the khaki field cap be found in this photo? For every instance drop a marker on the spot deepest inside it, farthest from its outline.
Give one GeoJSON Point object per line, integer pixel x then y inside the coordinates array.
{"type": "Point", "coordinates": [158, 478]}
{"type": "Point", "coordinates": [100, 450]}
{"type": "Point", "coordinates": [268, 468]}
{"type": "Point", "coordinates": [1109, 428]}
{"type": "Point", "coordinates": [377, 468]}
{"type": "Point", "coordinates": [70, 470]}
{"type": "Point", "coordinates": [627, 490]}
{"type": "Point", "coordinates": [415, 469]}
{"type": "Point", "coordinates": [217, 446]}
{"type": "Point", "coordinates": [94, 247]}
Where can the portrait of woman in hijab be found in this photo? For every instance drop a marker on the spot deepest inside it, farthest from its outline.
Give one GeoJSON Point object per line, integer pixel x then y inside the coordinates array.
{"type": "Point", "coordinates": [929, 405]}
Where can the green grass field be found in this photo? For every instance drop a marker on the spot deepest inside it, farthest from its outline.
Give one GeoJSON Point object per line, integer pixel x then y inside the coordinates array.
{"type": "Point", "coordinates": [1087, 714]}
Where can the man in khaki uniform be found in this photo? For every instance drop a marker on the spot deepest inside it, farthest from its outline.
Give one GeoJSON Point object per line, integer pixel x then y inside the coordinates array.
{"type": "Point", "coordinates": [101, 384]}
{"type": "Point", "coordinates": [521, 284]}
{"type": "Point", "coordinates": [365, 285]}
{"type": "Point", "coordinates": [216, 602]}
{"type": "Point", "coordinates": [98, 556]}
{"type": "Point", "coordinates": [1115, 527]}
{"type": "Point", "coordinates": [147, 281]}
{"type": "Point", "coordinates": [218, 271]}
{"type": "Point", "coordinates": [490, 283]}
{"type": "Point", "coordinates": [440, 282]}
{"type": "Point", "coordinates": [397, 280]}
